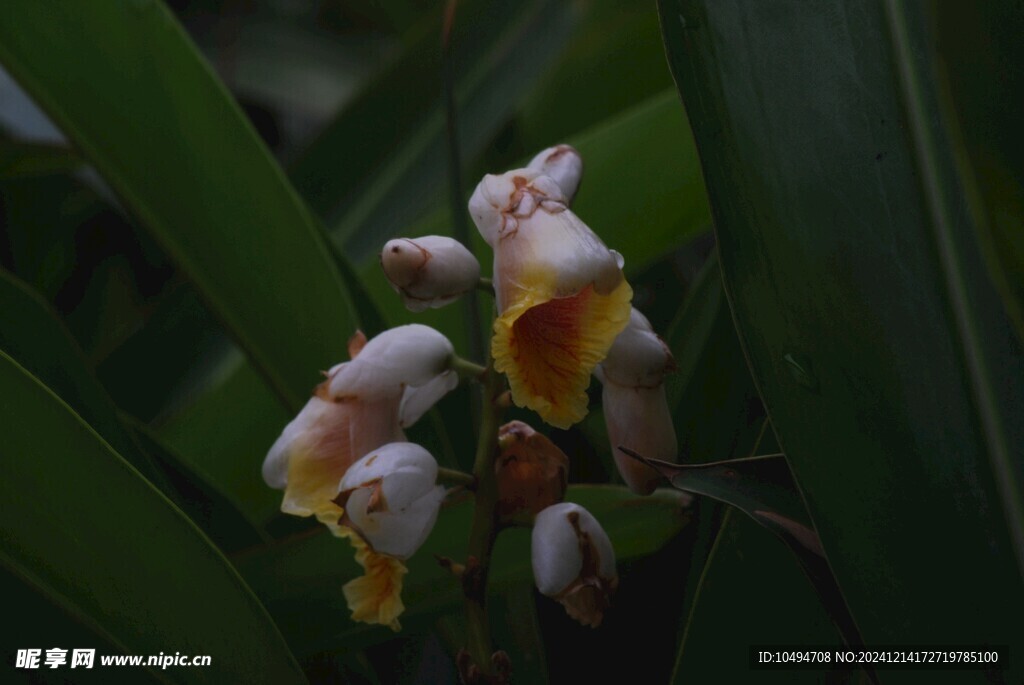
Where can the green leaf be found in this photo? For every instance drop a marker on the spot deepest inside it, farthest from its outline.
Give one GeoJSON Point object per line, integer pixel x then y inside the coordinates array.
{"type": "Point", "coordinates": [880, 348]}
{"type": "Point", "coordinates": [84, 529]}
{"type": "Point", "coordinates": [977, 46]}
{"type": "Point", "coordinates": [133, 94]}
{"type": "Point", "coordinates": [614, 60]}
{"type": "Point", "coordinates": [751, 593]}
{"type": "Point", "coordinates": [717, 411]}
{"type": "Point", "coordinates": [32, 334]}
{"type": "Point", "coordinates": [217, 514]}
{"type": "Point", "coordinates": [763, 488]}
{"type": "Point", "coordinates": [642, 190]}
{"type": "Point", "coordinates": [20, 159]}
{"type": "Point", "coordinates": [225, 434]}
{"type": "Point", "coordinates": [300, 580]}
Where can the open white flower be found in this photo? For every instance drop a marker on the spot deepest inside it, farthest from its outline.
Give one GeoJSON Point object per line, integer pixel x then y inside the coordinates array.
{"type": "Point", "coordinates": [560, 292]}
{"type": "Point", "coordinates": [635, 407]}
{"type": "Point", "coordinates": [573, 561]}
{"type": "Point", "coordinates": [390, 501]}
{"type": "Point", "coordinates": [429, 272]}
{"type": "Point", "coordinates": [364, 403]}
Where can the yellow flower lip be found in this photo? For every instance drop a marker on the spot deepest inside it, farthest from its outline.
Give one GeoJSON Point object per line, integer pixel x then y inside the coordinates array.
{"type": "Point", "coordinates": [376, 596]}
{"type": "Point", "coordinates": [548, 349]}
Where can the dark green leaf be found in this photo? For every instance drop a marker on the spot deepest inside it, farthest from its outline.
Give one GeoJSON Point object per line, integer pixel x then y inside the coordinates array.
{"type": "Point", "coordinates": [32, 334]}
{"type": "Point", "coordinates": [214, 512]}
{"type": "Point", "coordinates": [614, 60]}
{"type": "Point", "coordinates": [882, 352]}
{"type": "Point", "coordinates": [19, 159]}
{"type": "Point", "coordinates": [751, 592]}
{"type": "Point", "coordinates": [82, 527]}
{"type": "Point", "coordinates": [978, 47]}
{"type": "Point", "coordinates": [225, 434]}
{"type": "Point", "coordinates": [713, 400]}
{"type": "Point", "coordinates": [763, 488]}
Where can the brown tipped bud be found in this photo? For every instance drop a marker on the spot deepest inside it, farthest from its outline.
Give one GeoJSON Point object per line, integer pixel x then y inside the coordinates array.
{"type": "Point", "coordinates": [429, 272]}
{"type": "Point", "coordinates": [532, 472]}
{"type": "Point", "coordinates": [573, 561]}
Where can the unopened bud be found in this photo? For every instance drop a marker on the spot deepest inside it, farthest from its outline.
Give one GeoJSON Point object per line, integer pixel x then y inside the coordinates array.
{"type": "Point", "coordinates": [429, 272]}
{"type": "Point", "coordinates": [635, 406]}
{"type": "Point", "coordinates": [532, 472]}
{"type": "Point", "coordinates": [562, 163]}
{"type": "Point", "coordinates": [391, 499]}
{"type": "Point", "coordinates": [573, 561]}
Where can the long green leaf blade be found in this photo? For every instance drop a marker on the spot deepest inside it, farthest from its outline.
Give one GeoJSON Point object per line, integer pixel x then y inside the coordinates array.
{"type": "Point", "coordinates": [861, 300]}
{"type": "Point", "coordinates": [81, 526]}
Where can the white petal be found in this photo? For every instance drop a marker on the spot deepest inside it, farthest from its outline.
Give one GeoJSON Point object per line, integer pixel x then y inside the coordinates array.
{"type": "Point", "coordinates": [638, 357]}
{"type": "Point", "coordinates": [406, 484]}
{"type": "Point", "coordinates": [396, 533]}
{"type": "Point", "coordinates": [562, 163]}
{"type": "Point", "coordinates": [406, 355]}
{"type": "Point", "coordinates": [555, 549]}
{"type": "Point", "coordinates": [412, 526]}
{"type": "Point", "coordinates": [315, 413]}
{"type": "Point", "coordinates": [639, 419]}
{"type": "Point", "coordinates": [417, 400]}
{"type": "Point", "coordinates": [387, 459]}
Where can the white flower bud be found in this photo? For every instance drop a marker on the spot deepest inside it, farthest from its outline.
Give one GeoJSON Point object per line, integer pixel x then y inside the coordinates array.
{"type": "Point", "coordinates": [429, 272]}
{"type": "Point", "coordinates": [635, 406]}
{"type": "Point", "coordinates": [573, 561]}
{"type": "Point", "coordinates": [564, 165]}
{"type": "Point", "coordinates": [391, 499]}
{"type": "Point", "coordinates": [411, 360]}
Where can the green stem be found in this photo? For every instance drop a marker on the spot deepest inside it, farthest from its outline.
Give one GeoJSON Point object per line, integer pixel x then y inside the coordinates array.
{"type": "Point", "coordinates": [486, 285]}
{"type": "Point", "coordinates": [455, 477]}
{"type": "Point", "coordinates": [466, 369]}
{"type": "Point", "coordinates": [484, 528]}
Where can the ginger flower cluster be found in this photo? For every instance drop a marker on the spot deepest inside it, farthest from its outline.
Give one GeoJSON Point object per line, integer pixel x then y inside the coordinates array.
{"type": "Point", "coordinates": [563, 314]}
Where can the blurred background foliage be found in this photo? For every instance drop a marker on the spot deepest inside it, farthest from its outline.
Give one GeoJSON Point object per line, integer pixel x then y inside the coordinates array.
{"type": "Point", "coordinates": [192, 196]}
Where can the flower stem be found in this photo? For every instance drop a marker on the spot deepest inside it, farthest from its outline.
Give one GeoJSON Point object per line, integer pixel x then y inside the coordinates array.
{"type": "Point", "coordinates": [455, 477]}
{"type": "Point", "coordinates": [486, 285]}
{"type": "Point", "coordinates": [467, 369]}
{"type": "Point", "coordinates": [484, 529]}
